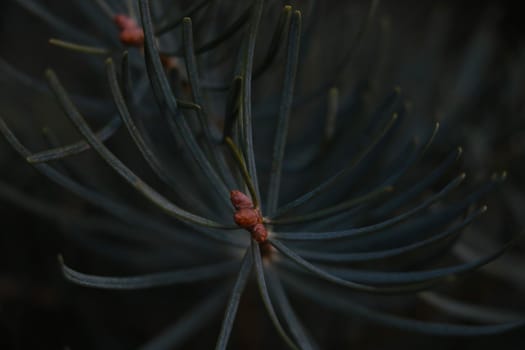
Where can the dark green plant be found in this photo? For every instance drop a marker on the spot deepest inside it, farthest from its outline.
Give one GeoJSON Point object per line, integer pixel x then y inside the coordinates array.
{"type": "Point", "coordinates": [356, 218]}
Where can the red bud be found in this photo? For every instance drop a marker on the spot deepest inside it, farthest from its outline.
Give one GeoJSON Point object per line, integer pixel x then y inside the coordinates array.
{"type": "Point", "coordinates": [124, 22]}
{"type": "Point", "coordinates": [240, 200]}
{"type": "Point", "coordinates": [246, 218]}
{"type": "Point", "coordinates": [131, 34]}
{"type": "Point", "coordinates": [132, 37]}
{"type": "Point", "coordinates": [259, 233]}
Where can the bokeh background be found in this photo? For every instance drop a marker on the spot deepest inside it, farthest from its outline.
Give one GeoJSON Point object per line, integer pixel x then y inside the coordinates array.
{"type": "Point", "coordinates": [462, 63]}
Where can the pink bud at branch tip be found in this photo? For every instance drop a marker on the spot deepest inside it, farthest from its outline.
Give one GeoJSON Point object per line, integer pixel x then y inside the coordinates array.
{"type": "Point", "coordinates": [247, 216]}
{"type": "Point", "coordinates": [240, 200]}
{"type": "Point", "coordinates": [131, 34]}
{"type": "Point", "coordinates": [259, 233]}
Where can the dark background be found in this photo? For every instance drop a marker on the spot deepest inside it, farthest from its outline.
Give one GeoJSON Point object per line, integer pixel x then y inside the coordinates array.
{"type": "Point", "coordinates": [38, 309]}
